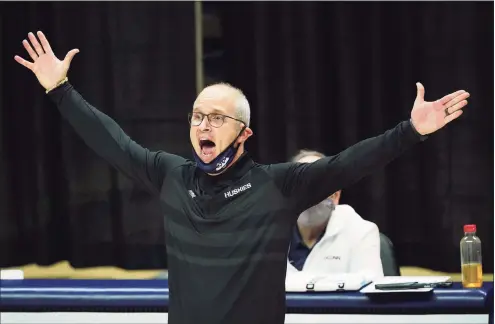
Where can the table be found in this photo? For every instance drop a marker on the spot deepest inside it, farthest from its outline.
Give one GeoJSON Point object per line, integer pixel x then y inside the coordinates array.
{"type": "Point", "coordinates": [146, 301]}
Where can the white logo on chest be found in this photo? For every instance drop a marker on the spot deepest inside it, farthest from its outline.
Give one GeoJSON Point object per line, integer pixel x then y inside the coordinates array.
{"type": "Point", "coordinates": [235, 191]}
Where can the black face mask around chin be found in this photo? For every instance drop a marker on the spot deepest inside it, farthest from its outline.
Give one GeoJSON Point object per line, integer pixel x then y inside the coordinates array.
{"type": "Point", "coordinates": [222, 161]}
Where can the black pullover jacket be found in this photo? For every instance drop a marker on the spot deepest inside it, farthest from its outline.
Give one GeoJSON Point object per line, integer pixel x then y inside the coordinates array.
{"type": "Point", "coordinates": [227, 236]}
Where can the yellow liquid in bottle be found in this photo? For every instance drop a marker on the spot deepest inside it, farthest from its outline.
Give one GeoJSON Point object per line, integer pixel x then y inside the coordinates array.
{"type": "Point", "coordinates": [472, 275]}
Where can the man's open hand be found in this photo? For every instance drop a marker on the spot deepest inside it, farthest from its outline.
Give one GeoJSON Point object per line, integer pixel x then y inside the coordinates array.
{"type": "Point", "coordinates": [428, 117]}
{"type": "Point", "coordinates": [46, 66]}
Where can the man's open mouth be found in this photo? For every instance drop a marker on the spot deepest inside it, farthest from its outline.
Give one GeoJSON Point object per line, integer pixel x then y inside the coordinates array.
{"type": "Point", "coordinates": [207, 148]}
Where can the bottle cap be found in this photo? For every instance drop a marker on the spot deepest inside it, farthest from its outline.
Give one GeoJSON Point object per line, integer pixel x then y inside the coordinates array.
{"type": "Point", "coordinates": [471, 228]}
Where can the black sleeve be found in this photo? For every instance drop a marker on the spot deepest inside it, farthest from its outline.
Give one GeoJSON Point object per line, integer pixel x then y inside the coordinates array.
{"type": "Point", "coordinates": [102, 134]}
{"type": "Point", "coordinates": [306, 184]}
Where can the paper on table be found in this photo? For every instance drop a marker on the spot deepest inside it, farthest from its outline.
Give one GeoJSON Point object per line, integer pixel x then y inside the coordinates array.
{"type": "Point", "coordinates": [13, 274]}
{"type": "Point", "coordinates": [304, 281]}
{"type": "Point", "coordinates": [370, 289]}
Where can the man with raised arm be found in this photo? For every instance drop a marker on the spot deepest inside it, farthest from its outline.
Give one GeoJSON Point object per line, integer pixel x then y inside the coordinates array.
{"type": "Point", "coordinates": [228, 219]}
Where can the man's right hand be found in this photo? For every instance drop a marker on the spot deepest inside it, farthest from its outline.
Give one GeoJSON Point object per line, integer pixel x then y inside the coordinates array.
{"type": "Point", "coordinates": [46, 66]}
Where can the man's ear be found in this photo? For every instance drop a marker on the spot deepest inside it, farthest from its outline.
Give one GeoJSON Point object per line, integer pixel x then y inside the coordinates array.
{"type": "Point", "coordinates": [245, 135]}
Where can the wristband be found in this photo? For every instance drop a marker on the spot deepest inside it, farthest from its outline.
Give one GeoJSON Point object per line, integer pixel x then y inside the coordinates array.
{"type": "Point", "coordinates": [58, 84]}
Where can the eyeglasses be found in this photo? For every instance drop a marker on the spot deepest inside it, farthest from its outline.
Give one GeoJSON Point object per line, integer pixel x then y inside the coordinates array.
{"type": "Point", "coordinates": [215, 120]}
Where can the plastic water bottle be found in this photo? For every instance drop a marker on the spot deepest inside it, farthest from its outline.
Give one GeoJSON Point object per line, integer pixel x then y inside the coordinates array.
{"type": "Point", "coordinates": [472, 271]}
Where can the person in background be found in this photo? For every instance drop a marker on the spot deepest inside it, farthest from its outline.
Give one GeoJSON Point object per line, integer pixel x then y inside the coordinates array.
{"type": "Point", "coordinates": [333, 238]}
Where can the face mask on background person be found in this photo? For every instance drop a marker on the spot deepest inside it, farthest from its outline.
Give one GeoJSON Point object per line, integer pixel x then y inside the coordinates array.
{"type": "Point", "coordinates": [318, 214]}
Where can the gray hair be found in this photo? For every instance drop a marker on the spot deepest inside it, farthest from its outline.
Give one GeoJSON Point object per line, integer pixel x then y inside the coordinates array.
{"type": "Point", "coordinates": [242, 108]}
{"type": "Point", "coordinates": [304, 153]}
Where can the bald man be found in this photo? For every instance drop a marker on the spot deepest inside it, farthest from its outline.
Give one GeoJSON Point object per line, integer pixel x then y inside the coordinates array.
{"type": "Point", "coordinates": [228, 219]}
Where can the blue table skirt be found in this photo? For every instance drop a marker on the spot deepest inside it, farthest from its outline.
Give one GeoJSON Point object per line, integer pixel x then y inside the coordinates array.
{"type": "Point", "coordinates": [153, 296]}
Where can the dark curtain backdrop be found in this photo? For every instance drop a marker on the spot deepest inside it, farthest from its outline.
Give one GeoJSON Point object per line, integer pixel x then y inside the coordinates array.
{"type": "Point", "coordinates": [325, 75]}
{"type": "Point", "coordinates": [318, 75]}
{"type": "Point", "coordinates": [58, 200]}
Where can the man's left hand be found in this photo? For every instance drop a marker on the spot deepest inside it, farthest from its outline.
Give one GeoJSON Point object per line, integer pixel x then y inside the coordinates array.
{"type": "Point", "coordinates": [428, 117]}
